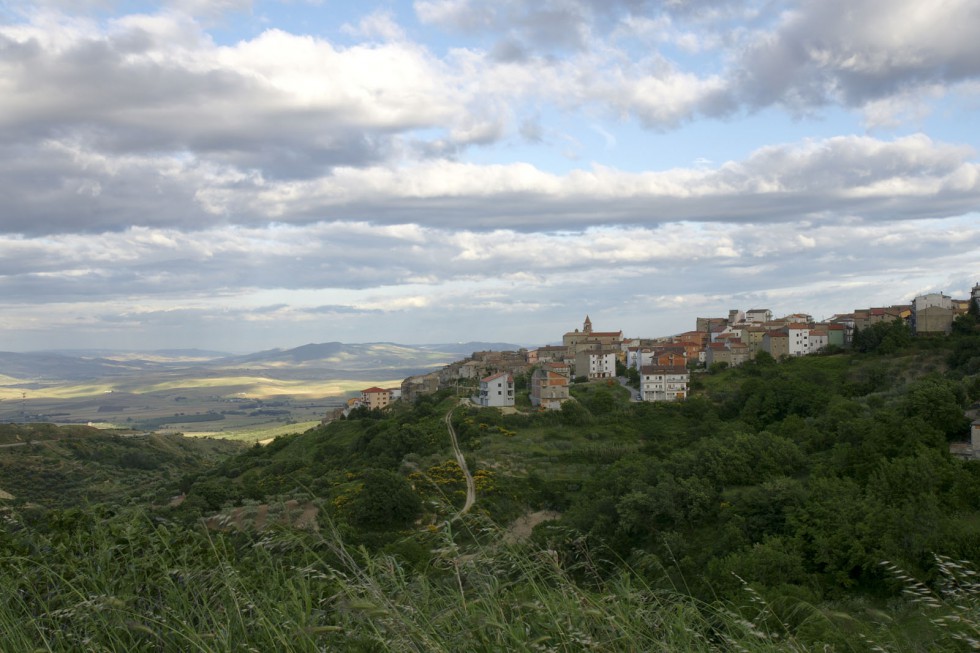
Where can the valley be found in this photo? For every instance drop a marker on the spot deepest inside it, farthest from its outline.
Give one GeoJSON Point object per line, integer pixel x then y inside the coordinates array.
{"type": "Point", "coordinates": [250, 397]}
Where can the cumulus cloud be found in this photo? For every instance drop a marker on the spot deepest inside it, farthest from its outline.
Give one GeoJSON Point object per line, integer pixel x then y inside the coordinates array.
{"type": "Point", "coordinates": [825, 51]}
{"type": "Point", "coordinates": [288, 104]}
{"type": "Point", "coordinates": [64, 187]}
{"type": "Point", "coordinates": [152, 172]}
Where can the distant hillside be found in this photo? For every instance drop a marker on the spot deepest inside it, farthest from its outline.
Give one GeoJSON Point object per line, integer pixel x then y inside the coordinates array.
{"type": "Point", "coordinates": [315, 360]}
{"type": "Point", "coordinates": [362, 357]}
{"type": "Point", "coordinates": [76, 465]}
{"type": "Point", "coordinates": [467, 348]}
{"type": "Point", "coordinates": [46, 366]}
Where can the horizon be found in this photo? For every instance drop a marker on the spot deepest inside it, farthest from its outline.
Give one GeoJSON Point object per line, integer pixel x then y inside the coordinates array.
{"type": "Point", "coordinates": [259, 174]}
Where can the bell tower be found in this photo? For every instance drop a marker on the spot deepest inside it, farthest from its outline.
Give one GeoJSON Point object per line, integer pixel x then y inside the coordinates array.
{"type": "Point", "coordinates": [587, 327]}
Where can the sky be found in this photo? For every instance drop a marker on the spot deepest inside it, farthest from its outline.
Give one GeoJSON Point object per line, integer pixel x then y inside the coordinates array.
{"type": "Point", "coordinates": [242, 175]}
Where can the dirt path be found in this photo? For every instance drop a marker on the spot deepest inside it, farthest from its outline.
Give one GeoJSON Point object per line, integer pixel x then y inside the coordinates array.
{"type": "Point", "coordinates": [522, 527]}
{"type": "Point", "coordinates": [470, 484]}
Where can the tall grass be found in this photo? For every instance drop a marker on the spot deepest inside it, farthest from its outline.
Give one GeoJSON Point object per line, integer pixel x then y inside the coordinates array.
{"type": "Point", "coordinates": [132, 583]}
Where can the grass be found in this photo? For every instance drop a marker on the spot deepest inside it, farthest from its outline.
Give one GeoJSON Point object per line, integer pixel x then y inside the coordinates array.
{"type": "Point", "coordinates": [133, 583]}
{"type": "Point", "coordinates": [256, 434]}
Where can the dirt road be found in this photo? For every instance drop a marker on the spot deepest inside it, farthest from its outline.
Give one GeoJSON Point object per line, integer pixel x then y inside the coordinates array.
{"type": "Point", "coordinates": [470, 484]}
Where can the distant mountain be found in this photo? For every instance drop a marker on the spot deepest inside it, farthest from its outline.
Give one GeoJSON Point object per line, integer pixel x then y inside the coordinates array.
{"type": "Point", "coordinates": [63, 367]}
{"type": "Point", "coordinates": [360, 357]}
{"type": "Point", "coordinates": [467, 348]}
{"type": "Point", "coordinates": [314, 360]}
{"type": "Point", "coordinates": [154, 354]}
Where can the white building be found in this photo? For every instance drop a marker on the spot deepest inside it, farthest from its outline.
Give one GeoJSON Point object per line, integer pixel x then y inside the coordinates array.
{"type": "Point", "coordinates": [799, 339]}
{"type": "Point", "coordinates": [497, 391]}
{"type": "Point", "coordinates": [819, 339]}
{"type": "Point", "coordinates": [934, 299]}
{"type": "Point", "coordinates": [596, 364]}
{"type": "Point", "coordinates": [659, 383]}
{"type": "Point", "coordinates": [758, 315]}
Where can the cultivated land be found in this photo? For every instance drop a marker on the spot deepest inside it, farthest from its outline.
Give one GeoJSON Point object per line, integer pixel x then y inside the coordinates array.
{"type": "Point", "coordinates": [251, 397]}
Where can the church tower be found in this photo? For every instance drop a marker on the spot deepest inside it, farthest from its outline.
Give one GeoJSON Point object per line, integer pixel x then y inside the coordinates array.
{"type": "Point", "coordinates": [587, 327]}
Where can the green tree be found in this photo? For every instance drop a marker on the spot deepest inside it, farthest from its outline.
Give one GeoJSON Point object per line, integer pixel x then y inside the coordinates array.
{"type": "Point", "coordinates": [385, 501]}
{"type": "Point", "coordinates": [939, 403]}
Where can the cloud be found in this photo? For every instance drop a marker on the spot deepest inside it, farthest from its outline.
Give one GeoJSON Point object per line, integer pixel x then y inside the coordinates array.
{"type": "Point", "coordinates": [854, 53]}
{"type": "Point", "coordinates": [290, 105]}
{"type": "Point", "coordinates": [804, 55]}
{"type": "Point", "coordinates": [379, 24]}
{"type": "Point", "coordinates": [66, 188]}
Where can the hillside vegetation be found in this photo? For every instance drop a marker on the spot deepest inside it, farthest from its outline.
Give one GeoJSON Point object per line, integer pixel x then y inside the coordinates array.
{"type": "Point", "coordinates": [79, 466]}
{"type": "Point", "coordinates": [804, 505]}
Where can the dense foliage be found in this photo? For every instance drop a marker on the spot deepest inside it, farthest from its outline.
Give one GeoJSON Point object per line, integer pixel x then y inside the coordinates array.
{"type": "Point", "coordinates": [803, 495]}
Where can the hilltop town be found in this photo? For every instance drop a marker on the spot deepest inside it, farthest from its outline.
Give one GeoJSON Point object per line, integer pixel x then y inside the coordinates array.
{"type": "Point", "coordinates": [659, 369]}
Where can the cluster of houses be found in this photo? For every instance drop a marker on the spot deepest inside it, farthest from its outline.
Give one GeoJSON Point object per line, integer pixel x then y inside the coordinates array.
{"type": "Point", "coordinates": [663, 365]}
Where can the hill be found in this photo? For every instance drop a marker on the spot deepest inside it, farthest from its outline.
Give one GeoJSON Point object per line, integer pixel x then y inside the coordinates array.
{"type": "Point", "coordinates": [805, 505]}
{"type": "Point", "coordinates": [53, 467]}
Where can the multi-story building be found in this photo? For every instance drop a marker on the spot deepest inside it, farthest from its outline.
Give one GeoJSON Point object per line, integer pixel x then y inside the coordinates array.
{"type": "Point", "coordinates": [587, 339]}
{"type": "Point", "coordinates": [932, 313]}
{"type": "Point", "coordinates": [798, 335]}
{"type": "Point", "coordinates": [758, 315]}
{"type": "Point", "coordinates": [819, 339]}
{"type": "Point", "coordinates": [662, 383]}
{"type": "Point", "coordinates": [376, 398]}
{"type": "Point", "coordinates": [549, 387]}
{"type": "Point", "coordinates": [776, 342]}
{"type": "Point", "coordinates": [497, 391]}
{"type": "Point", "coordinates": [548, 354]}
{"type": "Point", "coordinates": [596, 364]}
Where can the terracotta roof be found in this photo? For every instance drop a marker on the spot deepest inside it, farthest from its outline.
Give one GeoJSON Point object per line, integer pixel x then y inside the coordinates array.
{"type": "Point", "coordinates": [373, 390]}
{"type": "Point", "coordinates": [497, 376]}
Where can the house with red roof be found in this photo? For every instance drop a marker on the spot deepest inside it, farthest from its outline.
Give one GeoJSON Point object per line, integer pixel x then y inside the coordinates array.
{"type": "Point", "coordinates": [496, 391]}
{"type": "Point", "coordinates": [376, 397]}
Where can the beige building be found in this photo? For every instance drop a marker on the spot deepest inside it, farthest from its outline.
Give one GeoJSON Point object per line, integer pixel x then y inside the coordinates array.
{"type": "Point", "coordinates": [586, 339]}
{"type": "Point", "coordinates": [776, 342]}
{"type": "Point", "coordinates": [416, 386]}
{"type": "Point", "coordinates": [932, 314]}
{"type": "Point", "coordinates": [376, 398]}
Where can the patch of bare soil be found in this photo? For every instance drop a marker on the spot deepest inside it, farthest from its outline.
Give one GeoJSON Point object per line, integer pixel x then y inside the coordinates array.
{"type": "Point", "coordinates": [523, 525]}
{"type": "Point", "coordinates": [257, 518]}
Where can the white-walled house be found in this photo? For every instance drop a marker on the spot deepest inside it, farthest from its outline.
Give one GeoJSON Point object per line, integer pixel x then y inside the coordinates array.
{"type": "Point", "coordinates": [596, 364]}
{"type": "Point", "coordinates": [799, 339]}
{"type": "Point", "coordinates": [661, 383]}
{"type": "Point", "coordinates": [497, 391]}
{"type": "Point", "coordinates": [819, 339]}
{"type": "Point", "coordinates": [758, 315]}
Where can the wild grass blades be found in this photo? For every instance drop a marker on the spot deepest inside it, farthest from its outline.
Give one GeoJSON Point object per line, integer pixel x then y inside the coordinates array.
{"type": "Point", "coordinates": [129, 582]}
{"type": "Point", "coordinates": [953, 603]}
